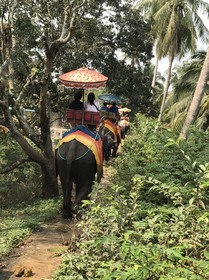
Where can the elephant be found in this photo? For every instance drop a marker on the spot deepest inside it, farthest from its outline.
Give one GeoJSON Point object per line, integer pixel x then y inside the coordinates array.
{"type": "Point", "coordinates": [112, 132]}
{"type": "Point", "coordinates": [124, 127]}
{"type": "Point", "coordinates": [76, 163]}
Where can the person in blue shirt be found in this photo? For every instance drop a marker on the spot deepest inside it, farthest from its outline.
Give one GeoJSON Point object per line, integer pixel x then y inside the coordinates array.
{"type": "Point", "coordinates": [104, 107]}
{"type": "Point", "coordinates": [114, 109]}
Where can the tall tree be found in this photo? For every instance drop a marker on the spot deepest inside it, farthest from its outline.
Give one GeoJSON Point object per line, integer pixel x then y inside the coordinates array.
{"type": "Point", "coordinates": [36, 38]}
{"type": "Point", "coordinates": [33, 33]}
{"type": "Point", "coordinates": [196, 100]}
{"type": "Point", "coordinates": [96, 43]}
{"type": "Point", "coordinates": [184, 80]}
{"type": "Point", "coordinates": [134, 40]}
{"type": "Point", "coordinates": [14, 95]}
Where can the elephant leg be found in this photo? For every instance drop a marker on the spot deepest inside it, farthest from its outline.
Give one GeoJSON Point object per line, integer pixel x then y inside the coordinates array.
{"type": "Point", "coordinates": [105, 149]}
{"type": "Point", "coordinates": [85, 181]}
{"type": "Point", "coordinates": [106, 155]}
{"type": "Point", "coordinates": [66, 191]}
{"type": "Point", "coordinates": [67, 203]}
{"type": "Point", "coordinates": [82, 192]}
{"type": "Point", "coordinates": [122, 132]}
{"type": "Point", "coordinates": [115, 150]}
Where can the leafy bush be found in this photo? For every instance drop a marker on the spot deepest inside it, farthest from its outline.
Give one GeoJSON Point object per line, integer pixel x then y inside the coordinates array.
{"type": "Point", "coordinates": [126, 238]}
{"type": "Point", "coordinates": [152, 223]}
{"type": "Point", "coordinates": [157, 155]}
{"type": "Point", "coordinates": [21, 184]}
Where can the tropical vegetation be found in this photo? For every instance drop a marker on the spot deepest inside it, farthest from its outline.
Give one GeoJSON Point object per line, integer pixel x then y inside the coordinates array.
{"type": "Point", "coordinates": [176, 28]}
{"type": "Point", "coordinates": [184, 81]}
{"type": "Point", "coordinates": [152, 221]}
{"type": "Point", "coordinates": [32, 61]}
{"type": "Point", "coordinates": [149, 223]}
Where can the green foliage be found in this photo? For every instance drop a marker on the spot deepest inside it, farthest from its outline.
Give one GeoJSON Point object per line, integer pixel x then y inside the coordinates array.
{"type": "Point", "coordinates": [96, 44]}
{"type": "Point", "coordinates": [153, 223]}
{"type": "Point", "coordinates": [21, 184]}
{"type": "Point", "coordinates": [19, 191]}
{"type": "Point", "coordinates": [152, 156]}
{"type": "Point", "coordinates": [184, 82]}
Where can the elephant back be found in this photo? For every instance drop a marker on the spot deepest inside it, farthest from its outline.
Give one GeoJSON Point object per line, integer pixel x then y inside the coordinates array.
{"type": "Point", "coordinates": [89, 139]}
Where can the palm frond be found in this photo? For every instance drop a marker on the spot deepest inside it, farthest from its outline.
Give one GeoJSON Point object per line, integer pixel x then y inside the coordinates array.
{"type": "Point", "coordinates": [204, 106]}
{"type": "Point", "coordinates": [178, 122]}
{"type": "Point", "coordinates": [178, 107]}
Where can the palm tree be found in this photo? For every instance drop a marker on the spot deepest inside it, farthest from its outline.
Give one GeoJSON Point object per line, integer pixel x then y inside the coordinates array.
{"type": "Point", "coordinates": [183, 82]}
{"type": "Point", "coordinates": [176, 26]}
{"type": "Point", "coordinates": [197, 98]}
{"type": "Point", "coordinates": [148, 9]}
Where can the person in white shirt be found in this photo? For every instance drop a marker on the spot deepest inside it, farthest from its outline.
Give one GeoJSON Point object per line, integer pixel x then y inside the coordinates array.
{"type": "Point", "coordinates": [92, 104]}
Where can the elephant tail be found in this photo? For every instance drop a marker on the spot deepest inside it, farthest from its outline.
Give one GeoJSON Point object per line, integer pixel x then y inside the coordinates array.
{"type": "Point", "coordinates": [69, 180]}
{"type": "Point", "coordinates": [68, 186]}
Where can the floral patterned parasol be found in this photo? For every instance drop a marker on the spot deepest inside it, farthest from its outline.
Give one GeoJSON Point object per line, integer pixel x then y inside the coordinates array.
{"type": "Point", "coordinates": [83, 78]}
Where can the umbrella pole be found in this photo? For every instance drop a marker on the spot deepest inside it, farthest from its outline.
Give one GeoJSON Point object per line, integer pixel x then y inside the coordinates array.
{"type": "Point", "coordinates": [83, 108]}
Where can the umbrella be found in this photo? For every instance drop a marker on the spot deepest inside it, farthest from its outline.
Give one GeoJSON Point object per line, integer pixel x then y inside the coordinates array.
{"type": "Point", "coordinates": [83, 78]}
{"type": "Point", "coordinates": [125, 110]}
{"type": "Point", "coordinates": [110, 98]}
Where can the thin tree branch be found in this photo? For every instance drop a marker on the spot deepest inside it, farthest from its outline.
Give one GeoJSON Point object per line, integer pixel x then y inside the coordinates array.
{"type": "Point", "coordinates": [14, 165]}
{"type": "Point", "coordinates": [66, 27]}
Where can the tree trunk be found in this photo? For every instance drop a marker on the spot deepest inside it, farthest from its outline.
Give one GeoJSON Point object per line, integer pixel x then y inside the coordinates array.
{"type": "Point", "coordinates": [49, 179]}
{"type": "Point", "coordinates": [165, 92]}
{"type": "Point", "coordinates": [197, 98]}
{"type": "Point", "coordinates": [155, 73]}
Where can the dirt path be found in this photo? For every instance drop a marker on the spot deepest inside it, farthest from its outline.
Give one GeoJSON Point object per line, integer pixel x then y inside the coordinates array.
{"type": "Point", "coordinates": [41, 254]}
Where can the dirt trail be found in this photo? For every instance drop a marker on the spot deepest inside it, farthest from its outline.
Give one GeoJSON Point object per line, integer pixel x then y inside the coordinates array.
{"type": "Point", "coordinates": [41, 254]}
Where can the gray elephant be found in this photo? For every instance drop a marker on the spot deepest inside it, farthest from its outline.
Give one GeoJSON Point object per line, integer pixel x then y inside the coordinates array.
{"type": "Point", "coordinates": [112, 132]}
{"type": "Point", "coordinates": [77, 163]}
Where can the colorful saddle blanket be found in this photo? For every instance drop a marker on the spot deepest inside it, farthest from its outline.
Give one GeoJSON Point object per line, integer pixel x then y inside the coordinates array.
{"type": "Point", "coordinates": [91, 140]}
{"type": "Point", "coordinates": [84, 129]}
{"type": "Point", "coordinates": [112, 127]}
{"type": "Point", "coordinates": [115, 129]}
